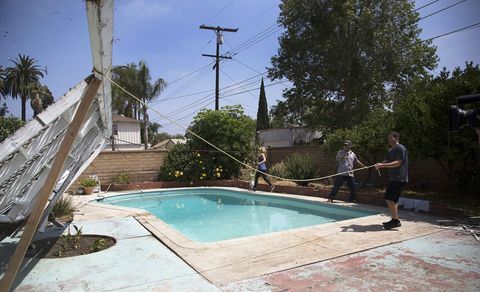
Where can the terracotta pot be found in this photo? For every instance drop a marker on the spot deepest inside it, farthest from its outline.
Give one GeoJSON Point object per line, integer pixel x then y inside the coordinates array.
{"type": "Point", "coordinates": [88, 190]}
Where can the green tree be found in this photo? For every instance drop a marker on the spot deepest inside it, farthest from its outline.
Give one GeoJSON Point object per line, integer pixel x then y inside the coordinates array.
{"type": "Point", "coordinates": [369, 137]}
{"type": "Point", "coordinates": [344, 57]}
{"type": "Point", "coordinates": [263, 121]}
{"type": "Point", "coordinates": [230, 130]}
{"type": "Point", "coordinates": [423, 123]}
{"type": "Point", "coordinates": [137, 80]}
{"type": "Point", "coordinates": [20, 79]}
{"type": "Point", "coordinates": [2, 82]}
{"type": "Point", "coordinates": [8, 126]}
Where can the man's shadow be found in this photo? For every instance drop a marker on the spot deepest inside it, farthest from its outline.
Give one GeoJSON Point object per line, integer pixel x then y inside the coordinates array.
{"type": "Point", "coordinates": [362, 228]}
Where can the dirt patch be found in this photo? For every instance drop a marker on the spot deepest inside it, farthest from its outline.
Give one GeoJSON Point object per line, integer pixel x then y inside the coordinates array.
{"type": "Point", "coordinates": [64, 246]}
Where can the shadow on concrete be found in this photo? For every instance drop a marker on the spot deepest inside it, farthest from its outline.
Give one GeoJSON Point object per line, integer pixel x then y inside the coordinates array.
{"type": "Point", "coordinates": [363, 228]}
{"type": "Point", "coordinates": [7, 249]}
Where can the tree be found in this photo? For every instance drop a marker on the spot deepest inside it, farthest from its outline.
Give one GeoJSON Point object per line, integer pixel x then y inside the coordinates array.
{"type": "Point", "coordinates": [263, 121]}
{"type": "Point", "coordinates": [345, 57]}
{"type": "Point", "coordinates": [2, 78]}
{"type": "Point", "coordinates": [422, 118]}
{"type": "Point", "coordinates": [230, 130]}
{"type": "Point", "coordinates": [136, 79]}
{"type": "Point", "coordinates": [20, 79]}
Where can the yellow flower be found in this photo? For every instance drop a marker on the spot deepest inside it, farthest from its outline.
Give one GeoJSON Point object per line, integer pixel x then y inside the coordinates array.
{"type": "Point", "coordinates": [200, 162]}
{"type": "Point", "coordinates": [181, 172]}
{"type": "Point", "coordinates": [201, 177]}
{"type": "Point", "coordinates": [216, 169]}
{"type": "Point", "coordinates": [204, 174]}
{"type": "Point", "coordinates": [198, 154]}
{"type": "Point", "coordinates": [218, 174]}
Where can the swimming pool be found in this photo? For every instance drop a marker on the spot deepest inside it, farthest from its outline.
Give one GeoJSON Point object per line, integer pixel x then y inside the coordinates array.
{"type": "Point", "coordinates": [210, 214]}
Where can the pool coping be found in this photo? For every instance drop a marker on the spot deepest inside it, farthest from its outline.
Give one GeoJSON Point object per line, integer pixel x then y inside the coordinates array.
{"type": "Point", "coordinates": [248, 257]}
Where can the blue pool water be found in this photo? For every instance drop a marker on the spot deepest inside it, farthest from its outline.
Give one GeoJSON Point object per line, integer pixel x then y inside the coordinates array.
{"type": "Point", "coordinates": [206, 214]}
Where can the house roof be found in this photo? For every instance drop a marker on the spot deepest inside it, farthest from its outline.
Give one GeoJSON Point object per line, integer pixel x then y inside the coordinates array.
{"type": "Point", "coordinates": [165, 142]}
{"type": "Point", "coordinates": [122, 118]}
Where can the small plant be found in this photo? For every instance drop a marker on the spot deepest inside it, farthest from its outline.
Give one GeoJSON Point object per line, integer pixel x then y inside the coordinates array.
{"type": "Point", "coordinates": [69, 241]}
{"type": "Point", "coordinates": [88, 182]}
{"type": "Point", "coordinates": [97, 245]}
{"type": "Point", "coordinates": [122, 178]}
{"type": "Point", "coordinates": [279, 169]}
{"type": "Point", "coordinates": [301, 167]}
{"type": "Point", "coordinates": [64, 207]}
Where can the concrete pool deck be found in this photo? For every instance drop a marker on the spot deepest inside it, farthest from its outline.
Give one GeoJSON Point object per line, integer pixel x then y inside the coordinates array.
{"type": "Point", "coordinates": [150, 255]}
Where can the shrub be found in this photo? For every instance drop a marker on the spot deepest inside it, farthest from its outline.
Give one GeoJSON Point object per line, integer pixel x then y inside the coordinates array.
{"type": "Point", "coordinates": [278, 169]}
{"type": "Point", "coordinates": [300, 166]}
{"type": "Point", "coordinates": [88, 182]}
{"type": "Point", "coordinates": [8, 126]}
{"type": "Point", "coordinates": [122, 178]}
{"type": "Point", "coordinates": [63, 207]}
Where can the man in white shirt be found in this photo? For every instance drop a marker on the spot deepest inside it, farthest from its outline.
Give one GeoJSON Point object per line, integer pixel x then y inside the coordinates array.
{"type": "Point", "coordinates": [345, 162]}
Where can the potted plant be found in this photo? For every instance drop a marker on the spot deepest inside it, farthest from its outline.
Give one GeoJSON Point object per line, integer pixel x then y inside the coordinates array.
{"type": "Point", "coordinates": [88, 185]}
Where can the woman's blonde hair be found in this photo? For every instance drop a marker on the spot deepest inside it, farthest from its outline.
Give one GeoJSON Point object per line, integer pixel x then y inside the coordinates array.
{"type": "Point", "coordinates": [262, 149]}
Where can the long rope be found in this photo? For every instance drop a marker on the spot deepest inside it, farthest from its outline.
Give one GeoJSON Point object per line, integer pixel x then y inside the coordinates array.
{"type": "Point", "coordinates": [221, 150]}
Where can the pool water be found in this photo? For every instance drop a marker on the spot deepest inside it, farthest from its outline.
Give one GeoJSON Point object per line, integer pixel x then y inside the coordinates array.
{"type": "Point", "coordinates": [208, 214]}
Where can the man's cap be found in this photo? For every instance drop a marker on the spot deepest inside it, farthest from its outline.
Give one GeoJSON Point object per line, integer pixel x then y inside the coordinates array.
{"type": "Point", "coordinates": [347, 143]}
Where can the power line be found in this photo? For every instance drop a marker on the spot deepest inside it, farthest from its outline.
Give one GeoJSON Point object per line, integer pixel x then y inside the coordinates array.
{"type": "Point", "coordinates": [452, 32]}
{"type": "Point", "coordinates": [428, 4]}
{"type": "Point", "coordinates": [438, 11]}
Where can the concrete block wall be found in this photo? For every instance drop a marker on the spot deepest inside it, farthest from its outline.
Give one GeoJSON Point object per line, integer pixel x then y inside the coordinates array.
{"type": "Point", "coordinates": [141, 166]}
{"type": "Point", "coordinates": [424, 174]}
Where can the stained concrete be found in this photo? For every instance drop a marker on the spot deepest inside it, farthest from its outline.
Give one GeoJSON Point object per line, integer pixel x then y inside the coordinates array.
{"type": "Point", "coordinates": [354, 254]}
{"type": "Point", "coordinates": [138, 262]}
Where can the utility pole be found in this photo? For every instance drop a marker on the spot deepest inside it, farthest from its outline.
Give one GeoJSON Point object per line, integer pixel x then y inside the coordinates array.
{"type": "Point", "coordinates": [217, 56]}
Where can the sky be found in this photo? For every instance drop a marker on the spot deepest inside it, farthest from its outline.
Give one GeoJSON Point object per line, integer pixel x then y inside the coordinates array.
{"type": "Point", "coordinates": [166, 34]}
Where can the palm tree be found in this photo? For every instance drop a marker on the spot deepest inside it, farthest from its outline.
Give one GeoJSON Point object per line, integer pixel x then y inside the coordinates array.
{"type": "Point", "coordinates": [2, 78]}
{"type": "Point", "coordinates": [149, 92]}
{"type": "Point", "coordinates": [137, 80]}
{"type": "Point", "coordinates": [20, 79]}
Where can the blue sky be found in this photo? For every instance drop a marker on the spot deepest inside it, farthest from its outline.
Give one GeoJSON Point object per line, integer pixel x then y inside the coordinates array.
{"type": "Point", "coordinates": [166, 34]}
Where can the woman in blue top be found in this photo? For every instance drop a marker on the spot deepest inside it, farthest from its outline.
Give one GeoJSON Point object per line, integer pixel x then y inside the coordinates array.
{"type": "Point", "coordinates": [262, 166]}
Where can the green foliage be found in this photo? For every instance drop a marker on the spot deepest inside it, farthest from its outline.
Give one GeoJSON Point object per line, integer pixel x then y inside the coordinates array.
{"type": "Point", "coordinates": [98, 244]}
{"type": "Point", "coordinates": [229, 129]}
{"type": "Point", "coordinates": [344, 58]}
{"type": "Point", "coordinates": [70, 241]}
{"type": "Point", "coordinates": [263, 121]}
{"type": "Point", "coordinates": [135, 79]}
{"type": "Point", "coordinates": [182, 164]}
{"type": "Point", "coordinates": [301, 166]}
{"type": "Point", "coordinates": [63, 207]}
{"type": "Point", "coordinates": [423, 120]}
{"type": "Point", "coordinates": [88, 182]}
{"type": "Point", "coordinates": [278, 169]}
{"type": "Point", "coordinates": [8, 126]}
{"type": "Point", "coordinates": [122, 178]}
{"type": "Point", "coordinates": [21, 78]}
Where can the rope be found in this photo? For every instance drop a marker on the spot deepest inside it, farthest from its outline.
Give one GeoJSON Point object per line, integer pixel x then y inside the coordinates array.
{"type": "Point", "coordinates": [217, 148]}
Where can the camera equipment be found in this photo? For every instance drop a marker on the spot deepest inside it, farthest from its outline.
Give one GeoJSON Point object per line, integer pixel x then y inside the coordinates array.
{"type": "Point", "coordinates": [459, 117]}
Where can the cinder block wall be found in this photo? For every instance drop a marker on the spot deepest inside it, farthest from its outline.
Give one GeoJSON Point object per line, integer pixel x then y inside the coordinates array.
{"type": "Point", "coordinates": [424, 173]}
{"type": "Point", "coordinates": [141, 166]}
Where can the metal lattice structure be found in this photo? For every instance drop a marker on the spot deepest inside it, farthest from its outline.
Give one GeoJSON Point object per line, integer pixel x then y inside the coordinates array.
{"type": "Point", "coordinates": [26, 157]}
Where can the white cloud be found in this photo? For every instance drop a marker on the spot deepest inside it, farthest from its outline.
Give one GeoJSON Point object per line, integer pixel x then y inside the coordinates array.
{"type": "Point", "coordinates": [144, 9]}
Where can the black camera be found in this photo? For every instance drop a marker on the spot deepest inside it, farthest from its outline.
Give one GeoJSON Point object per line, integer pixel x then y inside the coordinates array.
{"type": "Point", "coordinates": [468, 118]}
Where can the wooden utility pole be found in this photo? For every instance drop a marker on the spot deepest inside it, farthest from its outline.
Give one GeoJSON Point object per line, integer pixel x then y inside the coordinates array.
{"type": "Point", "coordinates": [217, 56]}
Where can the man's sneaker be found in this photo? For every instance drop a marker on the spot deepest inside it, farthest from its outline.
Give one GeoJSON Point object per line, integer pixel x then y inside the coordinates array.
{"type": "Point", "coordinates": [330, 200]}
{"type": "Point", "coordinates": [272, 187]}
{"type": "Point", "coordinates": [392, 224]}
{"type": "Point", "coordinates": [389, 222]}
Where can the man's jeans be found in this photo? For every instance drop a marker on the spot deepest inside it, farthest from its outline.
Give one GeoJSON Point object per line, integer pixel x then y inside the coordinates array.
{"type": "Point", "coordinates": [339, 182]}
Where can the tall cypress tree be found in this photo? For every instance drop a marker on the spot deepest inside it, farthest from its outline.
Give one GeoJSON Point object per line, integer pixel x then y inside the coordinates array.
{"type": "Point", "coordinates": [263, 121]}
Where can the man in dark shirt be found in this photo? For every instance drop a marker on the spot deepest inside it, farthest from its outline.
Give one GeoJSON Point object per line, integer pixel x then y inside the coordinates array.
{"type": "Point", "coordinates": [397, 164]}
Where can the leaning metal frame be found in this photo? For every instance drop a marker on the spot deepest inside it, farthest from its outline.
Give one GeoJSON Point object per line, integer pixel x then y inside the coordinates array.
{"type": "Point", "coordinates": [26, 156]}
